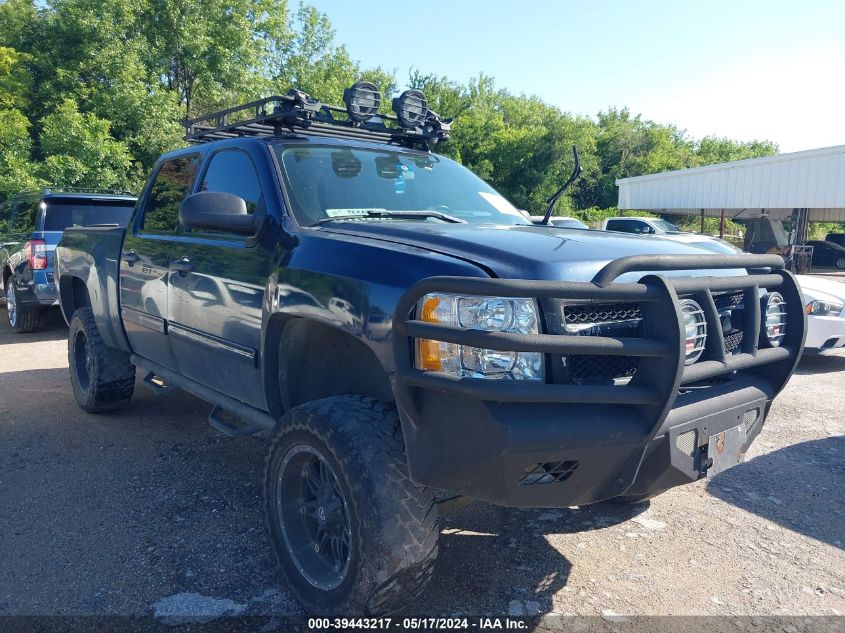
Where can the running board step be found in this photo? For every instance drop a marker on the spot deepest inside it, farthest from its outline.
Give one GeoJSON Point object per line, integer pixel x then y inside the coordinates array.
{"type": "Point", "coordinates": [216, 419]}
{"type": "Point", "coordinates": [158, 385]}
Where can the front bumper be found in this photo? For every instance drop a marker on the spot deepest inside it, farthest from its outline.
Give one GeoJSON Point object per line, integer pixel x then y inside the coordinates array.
{"type": "Point", "coordinates": [825, 333]}
{"type": "Point", "coordinates": [553, 445]}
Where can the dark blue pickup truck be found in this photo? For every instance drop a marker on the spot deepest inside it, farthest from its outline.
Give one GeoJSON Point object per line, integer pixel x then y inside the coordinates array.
{"type": "Point", "coordinates": [31, 224]}
{"type": "Point", "coordinates": [407, 338]}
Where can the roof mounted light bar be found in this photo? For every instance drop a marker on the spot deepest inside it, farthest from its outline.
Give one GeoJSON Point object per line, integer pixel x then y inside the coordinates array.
{"type": "Point", "coordinates": [413, 126]}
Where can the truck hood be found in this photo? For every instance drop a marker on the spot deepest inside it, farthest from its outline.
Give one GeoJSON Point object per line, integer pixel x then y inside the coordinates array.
{"type": "Point", "coordinates": [527, 252]}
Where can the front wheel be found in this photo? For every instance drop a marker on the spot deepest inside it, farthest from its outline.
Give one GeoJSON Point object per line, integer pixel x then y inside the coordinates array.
{"type": "Point", "coordinates": [840, 263]}
{"type": "Point", "coordinates": [351, 532]}
{"type": "Point", "coordinates": [103, 379]}
{"type": "Point", "coordinates": [22, 319]}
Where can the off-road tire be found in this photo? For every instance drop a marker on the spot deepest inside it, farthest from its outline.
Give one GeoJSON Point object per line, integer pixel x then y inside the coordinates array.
{"type": "Point", "coordinates": [394, 522]}
{"type": "Point", "coordinates": [103, 379]}
{"type": "Point", "coordinates": [26, 319]}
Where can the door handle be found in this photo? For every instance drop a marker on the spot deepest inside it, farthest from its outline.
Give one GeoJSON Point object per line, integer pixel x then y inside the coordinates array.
{"type": "Point", "coordinates": [182, 266]}
{"type": "Point", "coordinates": [131, 257]}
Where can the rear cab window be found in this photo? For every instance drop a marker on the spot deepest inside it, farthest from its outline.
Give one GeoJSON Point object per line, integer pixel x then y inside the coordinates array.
{"type": "Point", "coordinates": [623, 226]}
{"type": "Point", "coordinates": [627, 226]}
{"type": "Point", "coordinates": [172, 184]}
{"type": "Point", "coordinates": [63, 214]}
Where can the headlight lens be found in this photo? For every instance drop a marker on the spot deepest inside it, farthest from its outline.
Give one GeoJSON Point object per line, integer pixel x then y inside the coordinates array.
{"type": "Point", "coordinates": [695, 327]}
{"type": "Point", "coordinates": [774, 318]}
{"type": "Point", "coordinates": [490, 314]}
{"type": "Point", "coordinates": [824, 308]}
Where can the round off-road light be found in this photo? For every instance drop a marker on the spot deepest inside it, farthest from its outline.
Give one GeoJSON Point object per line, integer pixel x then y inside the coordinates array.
{"type": "Point", "coordinates": [695, 330]}
{"type": "Point", "coordinates": [411, 108]}
{"type": "Point", "coordinates": [362, 101]}
{"type": "Point", "coordinates": [774, 320]}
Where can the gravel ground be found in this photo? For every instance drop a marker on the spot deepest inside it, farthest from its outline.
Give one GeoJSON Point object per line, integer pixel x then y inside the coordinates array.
{"type": "Point", "coordinates": [151, 512]}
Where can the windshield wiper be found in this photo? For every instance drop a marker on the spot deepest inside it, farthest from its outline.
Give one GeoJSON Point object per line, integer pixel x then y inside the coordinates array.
{"type": "Point", "coordinates": [405, 215]}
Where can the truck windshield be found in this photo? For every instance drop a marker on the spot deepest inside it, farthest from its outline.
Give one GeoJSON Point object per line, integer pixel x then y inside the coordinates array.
{"type": "Point", "coordinates": [663, 225]}
{"type": "Point", "coordinates": [63, 214]}
{"type": "Point", "coordinates": [325, 182]}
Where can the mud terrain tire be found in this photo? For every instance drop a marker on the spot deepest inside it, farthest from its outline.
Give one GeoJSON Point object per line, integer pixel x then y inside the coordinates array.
{"type": "Point", "coordinates": [390, 524]}
{"type": "Point", "coordinates": [103, 379]}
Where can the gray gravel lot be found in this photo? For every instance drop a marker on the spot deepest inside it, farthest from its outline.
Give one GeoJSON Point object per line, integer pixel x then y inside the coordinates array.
{"type": "Point", "coordinates": [150, 511]}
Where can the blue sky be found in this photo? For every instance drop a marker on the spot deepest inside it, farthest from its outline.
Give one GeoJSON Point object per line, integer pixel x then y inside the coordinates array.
{"type": "Point", "coordinates": [742, 69]}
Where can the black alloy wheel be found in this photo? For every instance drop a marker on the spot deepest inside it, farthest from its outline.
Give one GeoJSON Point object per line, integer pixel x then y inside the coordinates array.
{"type": "Point", "coordinates": [314, 517]}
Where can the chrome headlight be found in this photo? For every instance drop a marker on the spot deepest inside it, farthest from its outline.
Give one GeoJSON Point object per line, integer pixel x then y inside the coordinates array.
{"type": "Point", "coordinates": [774, 319]}
{"type": "Point", "coordinates": [490, 314]}
{"type": "Point", "coordinates": [695, 330]}
{"type": "Point", "coordinates": [824, 308]}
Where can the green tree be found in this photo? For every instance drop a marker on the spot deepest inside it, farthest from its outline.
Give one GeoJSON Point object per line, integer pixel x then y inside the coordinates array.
{"type": "Point", "coordinates": [447, 98]}
{"type": "Point", "coordinates": [711, 150]}
{"type": "Point", "coordinates": [213, 52]}
{"type": "Point", "coordinates": [93, 91]}
{"type": "Point", "coordinates": [309, 59]}
{"type": "Point", "coordinates": [15, 80]}
{"type": "Point", "coordinates": [80, 151]}
{"type": "Point", "coordinates": [17, 173]}
{"type": "Point", "coordinates": [17, 19]}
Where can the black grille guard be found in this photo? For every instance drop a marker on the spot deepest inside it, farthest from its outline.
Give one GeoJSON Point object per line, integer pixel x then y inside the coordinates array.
{"type": "Point", "coordinates": [662, 372]}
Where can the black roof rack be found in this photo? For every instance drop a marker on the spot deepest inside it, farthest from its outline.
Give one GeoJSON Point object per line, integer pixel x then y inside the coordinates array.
{"type": "Point", "coordinates": [297, 113]}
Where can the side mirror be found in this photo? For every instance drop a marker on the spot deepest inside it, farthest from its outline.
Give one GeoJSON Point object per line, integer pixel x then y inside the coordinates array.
{"type": "Point", "coordinates": [649, 230]}
{"type": "Point", "coordinates": [217, 211]}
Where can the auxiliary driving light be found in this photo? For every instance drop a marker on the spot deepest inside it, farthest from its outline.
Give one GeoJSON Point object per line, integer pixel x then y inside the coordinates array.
{"type": "Point", "coordinates": [695, 330]}
{"type": "Point", "coordinates": [411, 108]}
{"type": "Point", "coordinates": [362, 101]}
{"type": "Point", "coordinates": [774, 319]}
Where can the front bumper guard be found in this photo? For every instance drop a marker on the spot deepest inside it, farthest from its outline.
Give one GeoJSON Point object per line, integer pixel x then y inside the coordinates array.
{"type": "Point", "coordinates": [476, 436]}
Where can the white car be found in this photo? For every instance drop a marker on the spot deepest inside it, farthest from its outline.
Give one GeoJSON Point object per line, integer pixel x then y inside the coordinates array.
{"type": "Point", "coordinates": [708, 243]}
{"type": "Point", "coordinates": [824, 303]}
{"type": "Point", "coordinates": [561, 221]}
{"type": "Point", "coordinates": [642, 226]}
{"type": "Point", "coordinates": [824, 299]}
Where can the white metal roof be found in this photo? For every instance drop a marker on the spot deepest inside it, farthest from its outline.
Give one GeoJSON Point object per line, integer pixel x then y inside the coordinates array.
{"type": "Point", "coordinates": [813, 179]}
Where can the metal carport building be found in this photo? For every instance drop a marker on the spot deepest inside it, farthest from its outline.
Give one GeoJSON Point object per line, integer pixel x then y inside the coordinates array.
{"type": "Point", "coordinates": [778, 186]}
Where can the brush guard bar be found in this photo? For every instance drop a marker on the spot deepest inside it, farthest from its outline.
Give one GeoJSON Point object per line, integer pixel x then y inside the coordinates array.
{"type": "Point", "coordinates": [661, 375]}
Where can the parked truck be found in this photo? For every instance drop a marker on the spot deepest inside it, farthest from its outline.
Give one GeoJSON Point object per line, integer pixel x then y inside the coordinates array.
{"type": "Point", "coordinates": [31, 224]}
{"type": "Point", "coordinates": [406, 338]}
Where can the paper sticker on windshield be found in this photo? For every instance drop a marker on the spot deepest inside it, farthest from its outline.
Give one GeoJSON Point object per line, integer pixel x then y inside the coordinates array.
{"type": "Point", "coordinates": [336, 213]}
{"type": "Point", "coordinates": [499, 203]}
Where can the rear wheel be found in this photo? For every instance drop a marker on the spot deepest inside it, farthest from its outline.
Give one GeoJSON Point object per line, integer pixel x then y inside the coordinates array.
{"type": "Point", "coordinates": [103, 379]}
{"type": "Point", "coordinates": [840, 263]}
{"type": "Point", "coordinates": [351, 532]}
{"type": "Point", "coordinates": [22, 319]}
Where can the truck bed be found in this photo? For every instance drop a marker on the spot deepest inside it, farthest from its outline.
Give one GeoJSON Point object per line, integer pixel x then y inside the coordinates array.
{"type": "Point", "coordinates": [92, 254]}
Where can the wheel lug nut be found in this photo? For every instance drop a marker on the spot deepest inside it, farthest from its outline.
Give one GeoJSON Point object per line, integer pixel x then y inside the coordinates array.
{"type": "Point", "coordinates": [316, 547]}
